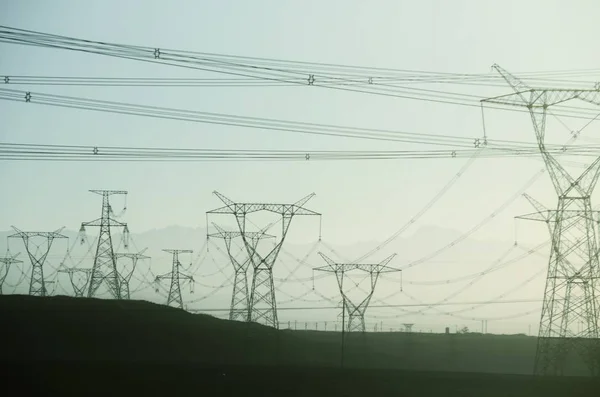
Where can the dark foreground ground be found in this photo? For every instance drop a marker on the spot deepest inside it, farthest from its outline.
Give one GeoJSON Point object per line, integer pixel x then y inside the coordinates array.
{"type": "Point", "coordinates": [77, 347]}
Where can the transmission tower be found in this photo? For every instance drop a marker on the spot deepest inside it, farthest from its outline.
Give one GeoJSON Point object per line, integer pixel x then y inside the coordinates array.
{"type": "Point", "coordinates": [104, 270]}
{"type": "Point", "coordinates": [571, 293]}
{"type": "Point", "coordinates": [125, 274]}
{"type": "Point", "coordinates": [6, 262]}
{"type": "Point", "coordinates": [408, 327]}
{"type": "Point", "coordinates": [38, 256]}
{"type": "Point", "coordinates": [263, 305]}
{"type": "Point", "coordinates": [240, 299]}
{"type": "Point", "coordinates": [50, 288]}
{"type": "Point", "coordinates": [356, 312]}
{"type": "Point", "coordinates": [79, 278]}
{"type": "Point", "coordinates": [175, 275]}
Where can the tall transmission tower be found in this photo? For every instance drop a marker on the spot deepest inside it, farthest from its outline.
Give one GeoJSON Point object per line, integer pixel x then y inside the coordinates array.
{"type": "Point", "coordinates": [79, 278]}
{"type": "Point", "coordinates": [571, 293]}
{"type": "Point", "coordinates": [263, 305]}
{"type": "Point", "coordinates": [126, 273]}
{"type": "Point", "coordinates": [175, 275]}
{"type": "Point", "coordinates": [6, 262]}
{"type": "Point", "coordinates": [240, 299]}
{"type": "Point", "coordinates": [356, 311]}
{"type": "Point", "coordinates": [42, 241]}
{"type": "Point", "coordinates": [104, 270]}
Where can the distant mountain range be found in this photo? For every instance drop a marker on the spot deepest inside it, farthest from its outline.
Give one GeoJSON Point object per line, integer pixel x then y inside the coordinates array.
{"type": "Point", "coordinates": [429, 254]}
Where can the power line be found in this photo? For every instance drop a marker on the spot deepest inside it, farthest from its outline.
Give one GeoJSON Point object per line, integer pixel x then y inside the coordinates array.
{"type": "Point", "coordinates": [386, 306]}
{"type": "Point", "coordinates": [23, 151]}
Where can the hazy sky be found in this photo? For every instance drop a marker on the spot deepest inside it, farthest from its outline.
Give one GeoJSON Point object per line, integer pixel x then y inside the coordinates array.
{"type": "Point", "coordinates": [360, 200]}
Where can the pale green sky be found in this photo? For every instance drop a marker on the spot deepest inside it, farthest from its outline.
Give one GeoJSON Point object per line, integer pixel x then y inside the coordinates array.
{"type": "Point", "coordinates": [361, 201]}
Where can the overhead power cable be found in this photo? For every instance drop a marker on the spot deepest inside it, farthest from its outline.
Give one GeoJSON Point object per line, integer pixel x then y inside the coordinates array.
{"type": "Point", "coordinates": [22, 151]}
{"type": "Point", "coordinates": [384, 305]}
{"type": "Point", "coordinates": [378, 81]}
{"type": "Point", "coordinates": [269, 124]}
{"type": "Point", "coordinates": [253, 64]}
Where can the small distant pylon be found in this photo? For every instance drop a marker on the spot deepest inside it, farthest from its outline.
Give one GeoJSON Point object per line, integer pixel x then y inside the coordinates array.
{"type": "Point", "coordinates": [356, 312]}
{"type": "Point", "coordinates": [6, 262]}
{"type": "Point", "coordinates": [104, 270]}
{"type": "Point", "coordinates": [408, 327]}
{"type": "Point", "coordinates": [175, 275]}
{"type": "Point", "coordinates": [50, 287]}
{"type": "Point", "coordinates": [263, 305]}
{"type": "Point", "coordinates": [240, 299]}
{"type": "Point", "coordinates": [80, 278]}
{"type": "Point", "coordinates": [38, 256]}
{"type": "Point", "coordinates": [125, 274]}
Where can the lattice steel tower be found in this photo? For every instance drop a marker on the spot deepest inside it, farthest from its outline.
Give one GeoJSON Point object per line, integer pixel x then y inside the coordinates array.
{"type": "Point", "coordinates": [572, 286]}
{"type": "Point", "coordinates": [37, 285]}
{"type": "Point", "coordinates": [6, 262]}
{"type": "Point", "coordinates": [175, 275]}
{"type": "Point", "coordinates": [263, 306]}
{"type": "Point", "coordinates": [79, 278]}
{"type": "Point", "coordinates": [126, 273]}
{"type": "Point", "coordinates": [240, 299]}
{"type": "Point", "coordinates": [104, 270]}
{"type": "Point", "coordinates": [356, 312]}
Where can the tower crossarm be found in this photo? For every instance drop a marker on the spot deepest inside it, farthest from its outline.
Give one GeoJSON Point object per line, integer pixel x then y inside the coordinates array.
{"type": "Point", "coordinates": [166, 276]}
{"type": "Point", "coordinates": [365, 267]}
{"type": "Point", "coordinates": [108, 221]}
{"type": "Point", "coordinates": [108, 192]}
{"type": "Point", "coordinates": [169, 276]}
{"type": "Point", "coordinates": [333, 267]}
{"type": "Point", "coordinates": [73, 270]}
{"type": "Point", "coordinates": [544, 98]}
{"type": "Point", "coordinates": [247, 208]}
{"type": "Point", "coordinates": [526, 96]}
{"type": "Point", "coordinates": [9, 260]}
{"type": "Point", "coordinates": [226, 234]}
{"type": "Point", "coordinates": [172, 251]}
{"type": "Point", "coordinates": [22, 234]}
{"type": "Point", "coordinates": [131, 255]}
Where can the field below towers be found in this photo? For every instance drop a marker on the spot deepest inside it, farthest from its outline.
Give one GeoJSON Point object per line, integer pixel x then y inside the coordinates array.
{"type": "Point", "coordinates": [68, 342]}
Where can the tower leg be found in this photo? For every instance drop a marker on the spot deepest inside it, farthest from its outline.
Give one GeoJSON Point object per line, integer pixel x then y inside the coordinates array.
{"type": "Point", "coordinates": [239, 297]}
{"type": "Point", "coordinates": [262, 308]}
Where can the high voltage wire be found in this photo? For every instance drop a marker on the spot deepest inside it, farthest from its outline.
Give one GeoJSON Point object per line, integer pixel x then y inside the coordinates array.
{"type": "Point", "coordinates": [194, 82]}
{"type": "Point", "coordinates": [270, 70]}
{"type": "Point", "coordinates": [269, 124]}
{"type": "Point", "coordinates": [92, 81]}
{"type": "Point", "coordinates": [29, 37]}
{"type": "Point", "coordinates": [17, 151]}
{"type": "Point", "coordinates": [386, 306]}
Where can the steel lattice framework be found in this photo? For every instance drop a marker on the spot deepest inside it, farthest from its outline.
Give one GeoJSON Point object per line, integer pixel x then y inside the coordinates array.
{"type": "Point", "coordinates": [104, 270]}
{"type": "Point", "coordinates": [80, 279]}
{"type": "Point", "coordinates": [263, 305]}
{"type": "Point", "coordinates": [37, 285]}
{"type": "Point", "coordinates": [175, 275]}
{"type": "Point", "coordinates": [7, 261]}
{"type": "Point", "coordinates": [356, 312]}
{"type": "Point", "coordinates": [572, 290]}
{"type": "Point", "coordinates": [240, 299]}
{"type": "Point", "coordinates": [125, 274]}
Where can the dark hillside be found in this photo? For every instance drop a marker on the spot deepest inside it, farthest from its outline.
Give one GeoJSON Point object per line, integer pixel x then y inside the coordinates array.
{"type": "Point", "coordinates": [70, 343]}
